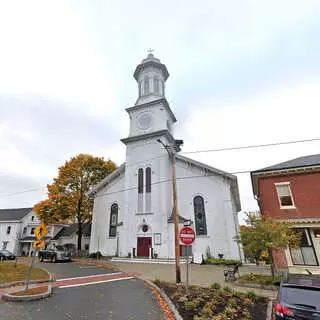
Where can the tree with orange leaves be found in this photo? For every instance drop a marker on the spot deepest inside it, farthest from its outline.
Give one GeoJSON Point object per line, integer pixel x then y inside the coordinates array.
{"type": "Point", "coordinates": [67, 196]}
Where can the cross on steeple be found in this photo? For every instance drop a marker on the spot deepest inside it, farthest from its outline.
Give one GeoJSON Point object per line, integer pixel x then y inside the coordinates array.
{"type": "Point", "coordinates": [150, 51]}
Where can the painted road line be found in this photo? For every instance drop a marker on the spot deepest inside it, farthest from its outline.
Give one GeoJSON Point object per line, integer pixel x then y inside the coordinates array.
{"type": "Point", "coordinates": [92, 276]}
{"type": "Point", "coordinates": [95, 282]}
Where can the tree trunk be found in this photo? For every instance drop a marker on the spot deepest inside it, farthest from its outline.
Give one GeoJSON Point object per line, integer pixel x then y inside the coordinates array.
{"type": "Point", "coordinates": [79, 235]}
{"type": "Point", "coordinates": [272, 265]}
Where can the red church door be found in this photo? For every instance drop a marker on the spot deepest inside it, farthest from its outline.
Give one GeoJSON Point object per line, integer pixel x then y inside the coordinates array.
{"type": "Point", "coordinates": [143, 245]}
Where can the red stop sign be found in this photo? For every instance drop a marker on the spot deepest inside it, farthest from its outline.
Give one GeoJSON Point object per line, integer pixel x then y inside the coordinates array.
{"type": "Point", "coordinates": [187, 235]}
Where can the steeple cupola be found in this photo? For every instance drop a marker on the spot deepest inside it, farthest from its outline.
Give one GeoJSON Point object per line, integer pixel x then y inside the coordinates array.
{"type": "Point", "coordinates": [151, 76]}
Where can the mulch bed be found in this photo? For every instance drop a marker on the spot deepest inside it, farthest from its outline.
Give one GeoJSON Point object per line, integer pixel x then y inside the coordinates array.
{"type": "Point", "coordinates": [215, 302]}
{"type": "Point", "coordinates": [32, 291]}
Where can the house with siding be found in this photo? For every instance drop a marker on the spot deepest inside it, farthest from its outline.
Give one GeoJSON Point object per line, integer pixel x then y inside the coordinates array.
{"type": "Point", "coordinates": [17, 232]}
{"type": "Point", "coordinates": [289, 192]}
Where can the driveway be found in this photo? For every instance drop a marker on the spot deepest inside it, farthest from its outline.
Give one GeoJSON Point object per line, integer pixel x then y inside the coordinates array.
{"type": "Point", "coordinates": [119, 298]}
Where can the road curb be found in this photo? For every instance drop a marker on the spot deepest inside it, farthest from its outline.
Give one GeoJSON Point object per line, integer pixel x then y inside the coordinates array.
{"type": "Point", "coordinates": [164, 296]}
{"type": "Point", "coordinates": [10, 297]}
{"type": "Point", "coordinates": [10, 284]}
{"type": "Point", "coordinates": [256, 286]}
{"type": "Point", "coordinates": [97, 264]}
{"type": "Point", "coordinates": [269, 310]}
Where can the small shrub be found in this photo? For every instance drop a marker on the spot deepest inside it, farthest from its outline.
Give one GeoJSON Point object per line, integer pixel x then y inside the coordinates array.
{"type": "Point", "coordinates": [157, 282]}
{"type": "Point", "coordinates": [222, 261]}
{"type": "Point", "coordinates": [227, 289]}
{"type": "Point", "coordinates": [232, 302]}
{"type": "Point", "coordinates": [215, 285]}
{"type": "Point", "coordinates": [97, 255]}
{"type": "Point", "coordinates": [220, 255]}
{"type": "Point", "coordinates": [189, 305]}
{"type": "Point", "coordinates": [252, 295]}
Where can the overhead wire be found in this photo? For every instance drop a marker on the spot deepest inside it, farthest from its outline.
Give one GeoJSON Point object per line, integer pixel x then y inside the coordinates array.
{"type": "Point", "coordinates": [191, 152]}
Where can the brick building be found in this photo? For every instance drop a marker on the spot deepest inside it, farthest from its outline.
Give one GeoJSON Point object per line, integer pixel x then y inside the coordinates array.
{"type": "Point", "coordinates": [290, 192]}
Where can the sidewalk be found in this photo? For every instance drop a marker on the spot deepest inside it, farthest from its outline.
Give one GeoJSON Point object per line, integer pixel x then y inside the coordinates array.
{"type": "Point", "coordinates": [202, 275]}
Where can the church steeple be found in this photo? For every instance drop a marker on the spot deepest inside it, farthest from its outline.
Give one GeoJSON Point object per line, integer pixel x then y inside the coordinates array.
{"type": "Point", "coordinates": [151, 76]}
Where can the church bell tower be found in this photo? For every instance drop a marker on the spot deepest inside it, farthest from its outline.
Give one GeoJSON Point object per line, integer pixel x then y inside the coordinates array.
{"type": "Point", "coordinates": [151, 114]}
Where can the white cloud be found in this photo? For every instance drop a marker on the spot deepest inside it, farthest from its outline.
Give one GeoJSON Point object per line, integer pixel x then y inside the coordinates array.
{"type": "Point", "coordinates": [235, 67]}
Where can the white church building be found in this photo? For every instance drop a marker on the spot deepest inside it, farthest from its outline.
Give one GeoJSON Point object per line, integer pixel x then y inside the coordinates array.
{"type": "Point", "coordinates": [133, 206]}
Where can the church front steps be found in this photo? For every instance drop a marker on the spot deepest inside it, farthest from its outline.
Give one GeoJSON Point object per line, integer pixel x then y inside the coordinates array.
{"type": "Point", "coordinates": [147, 260]}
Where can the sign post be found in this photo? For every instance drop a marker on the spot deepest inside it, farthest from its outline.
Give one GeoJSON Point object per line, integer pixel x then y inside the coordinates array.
{"type": "Point", "coordinates": [40, 231]}
{"type": "Point", "coordinates": [187, 237]}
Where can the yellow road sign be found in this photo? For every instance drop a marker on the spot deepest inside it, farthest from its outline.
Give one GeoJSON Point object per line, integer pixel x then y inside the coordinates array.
{"type": "Point", "coordinates": [38, 244]}
{"type": "Point", "coordinates": [40, 231]}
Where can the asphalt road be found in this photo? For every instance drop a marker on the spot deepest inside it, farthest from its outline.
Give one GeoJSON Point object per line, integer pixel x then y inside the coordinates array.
{"type": "Point", "coordinates": [122, 299]}
{"type": "Point", "coordinates": [67, 270]}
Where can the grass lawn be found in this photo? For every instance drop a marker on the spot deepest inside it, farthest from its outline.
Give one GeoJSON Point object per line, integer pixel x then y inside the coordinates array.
{"type": "Point", "coordinates": [31, 291]}
{"type": "Point", "coordinates": [215, 302]}
{"type": "Point", "coordinates": [10, 273]}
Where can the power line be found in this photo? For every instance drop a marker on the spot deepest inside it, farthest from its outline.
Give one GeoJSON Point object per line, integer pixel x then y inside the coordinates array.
{"type": "Point", "coordinates": [20, 192]}
{"type": "Point", "coordinates": [194, 152]}
{"type": "Point", "coordinates": [169, 180]}
{"type": "Point", "coordinates": [253, 146]}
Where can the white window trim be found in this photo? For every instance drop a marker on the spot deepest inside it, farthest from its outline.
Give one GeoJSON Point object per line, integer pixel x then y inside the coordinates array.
{"type": "Point", "coordinates": [285, 184]}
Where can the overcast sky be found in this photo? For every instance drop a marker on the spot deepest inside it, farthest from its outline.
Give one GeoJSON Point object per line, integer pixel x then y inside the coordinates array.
{"type": "Point", "coordinates": [241, 73]}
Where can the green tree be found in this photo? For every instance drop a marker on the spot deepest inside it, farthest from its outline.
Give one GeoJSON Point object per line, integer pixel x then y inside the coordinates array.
{"type": "Point", "coordinates": [67, 196]}
{"type": "Point", "coordinates": [263, 234]}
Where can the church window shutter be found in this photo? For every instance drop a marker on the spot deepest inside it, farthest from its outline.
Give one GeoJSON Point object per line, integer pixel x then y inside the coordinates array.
{"type": "Point", "coordinates": [148, 189]}
{"type": "Point", "coordinates": [140, 180]}
{"type": "Point", "coordinates": [148, 179]}
{"type": "Point", "coordinates": [200, 216]}
{"type": "Point", "coordinates": [140, 190]}
{"type": "Point", "coordinates": [113, 220]}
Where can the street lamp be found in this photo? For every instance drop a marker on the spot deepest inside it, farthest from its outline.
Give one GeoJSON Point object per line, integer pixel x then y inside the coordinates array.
{"type": "Point", "coordinates": [171, 153]}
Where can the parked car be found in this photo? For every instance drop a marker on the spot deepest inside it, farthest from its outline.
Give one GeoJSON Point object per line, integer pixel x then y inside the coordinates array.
{"type": "Point", "coordinates": [6, 255]}
{"type": "Point", "coordinates": [55, 253]}
{"type": "Point", "coordinates": [299, 297]}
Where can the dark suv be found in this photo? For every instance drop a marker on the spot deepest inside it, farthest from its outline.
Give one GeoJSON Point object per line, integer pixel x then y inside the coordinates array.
{"type": "Point", "coordinates": [55, 253]}
{"type": "Point", "coordinates": [299, 298]}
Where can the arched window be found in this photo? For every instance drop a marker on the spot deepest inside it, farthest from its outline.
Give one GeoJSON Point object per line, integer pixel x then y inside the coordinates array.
{"type": "Point", "coordinates": [140, 190]}
{"type": "Point", "coordinates": [199, 215]}
{"type": "Point", "coordinates": [113, 220]}
{"type": "Point", "coordinates": [148, 189]}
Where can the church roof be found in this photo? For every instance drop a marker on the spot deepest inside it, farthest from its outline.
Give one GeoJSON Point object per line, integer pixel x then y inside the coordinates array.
{"type": "Point", "coordinates": [107, 180]}
{"type": "Point", "coordinates": [206, 166]}
{"type": "Point", "coordinates": [231, 177]}
{"type": "Point", "coordinates": [151, 61]}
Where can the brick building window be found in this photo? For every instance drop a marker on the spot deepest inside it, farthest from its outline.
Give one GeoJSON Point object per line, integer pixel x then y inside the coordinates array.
{"type": "Point", "coordinates": [284, 195]}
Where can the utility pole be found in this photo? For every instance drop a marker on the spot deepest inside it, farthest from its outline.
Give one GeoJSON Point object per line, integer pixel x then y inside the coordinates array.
{"type": "Point", "coordinates": [175, 210]}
